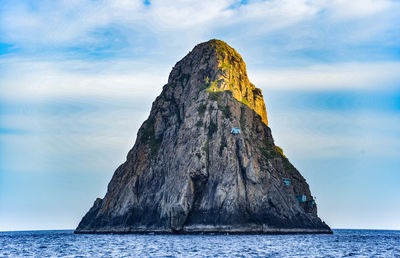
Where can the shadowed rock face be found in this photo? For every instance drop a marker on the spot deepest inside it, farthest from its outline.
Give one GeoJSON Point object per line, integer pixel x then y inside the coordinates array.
{"type": "Point", "coordinates": [187, 173]}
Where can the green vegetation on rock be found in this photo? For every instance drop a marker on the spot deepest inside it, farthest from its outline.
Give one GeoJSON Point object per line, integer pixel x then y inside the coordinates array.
{"type": "Point", "coordinates": [213, 87]}
{"type": "Point", "coordinates": [279, 149]}
{"type": "Point", "coordinates": [215, 95]}
{"type": "Point", "coordinates": [212, 128]}
{"type": "Point", "coordinates": [206, 148]}
{"type": "Point", "coordinates": [202, 109]}
{"type": "Point", "coordinates": [245, 101]}
{"type": "Point", "coordinates": [150, 139]}
{"type": "Point", "coordinates": [223, 49]}
{"type": "Point", "coordinates": [287, 165]}
{"type": "Point", "coordinates": [225, 110]}
{"type": "Point", "coordinates": [199, 123]}
{"type": "Point", "coordinates": [268, 153]}
{"type": "Point", "coordinates": [226, 66]}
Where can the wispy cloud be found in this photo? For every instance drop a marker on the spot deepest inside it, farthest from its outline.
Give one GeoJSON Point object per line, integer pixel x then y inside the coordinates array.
{"type": "Point", "coordinates": [350, 10]}
{"type": "Point", "coordinates": [79, 79]}
{"type": "Point", "coordinates": [337, 76]}
{"type": "Point", "coordinates": [55, 24]}
{"type": "Point", "coordinates": [331, 134]}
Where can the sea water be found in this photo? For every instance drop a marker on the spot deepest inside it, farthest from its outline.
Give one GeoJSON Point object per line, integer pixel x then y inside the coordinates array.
{"type": "Point", "coordinates": [360, 243]}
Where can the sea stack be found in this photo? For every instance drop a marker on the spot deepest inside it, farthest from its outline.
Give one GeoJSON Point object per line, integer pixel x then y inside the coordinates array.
{"type": "Point", "coordinates": [205, 161]}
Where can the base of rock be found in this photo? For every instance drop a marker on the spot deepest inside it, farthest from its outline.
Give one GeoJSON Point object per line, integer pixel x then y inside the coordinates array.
{"type": "Point", "coordinates": [212, 230]}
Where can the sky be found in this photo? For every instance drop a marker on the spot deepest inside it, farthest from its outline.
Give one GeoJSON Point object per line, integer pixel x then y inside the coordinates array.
{"type": "Point", "coordinates": [77, 79]}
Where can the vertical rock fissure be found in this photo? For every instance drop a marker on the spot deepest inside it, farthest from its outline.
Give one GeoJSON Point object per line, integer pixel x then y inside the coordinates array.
{"type": "Point", "coordinates": [242, 170]}
{"type": "Point", "coordinates": [199, 182]}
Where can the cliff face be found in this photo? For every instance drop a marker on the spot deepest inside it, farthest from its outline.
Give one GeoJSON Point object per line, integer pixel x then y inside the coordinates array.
{"type": "Point", "coordinates": [188, 173]}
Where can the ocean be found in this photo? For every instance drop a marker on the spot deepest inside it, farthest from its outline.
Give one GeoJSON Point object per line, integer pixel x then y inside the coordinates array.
{"type": "Point", "coordinates": [359, 243]}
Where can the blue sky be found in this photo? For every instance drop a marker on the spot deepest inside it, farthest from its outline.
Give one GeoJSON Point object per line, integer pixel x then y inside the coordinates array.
{"type": "Point", "coordinates": [77, 79]}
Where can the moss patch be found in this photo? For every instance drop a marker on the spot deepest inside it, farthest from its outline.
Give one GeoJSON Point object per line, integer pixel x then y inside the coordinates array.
{"type": "Point", "coordinates": [214, 96]}
{"type": "Point", "coordinates": [279, 149]}
{"type": "Point", "coordinates": [245, 101]}
{"type": "Point", "coordinates": [225, 110]}
{"type": "Point", "coordinates": [206, 148]}
{"type": "Point", "coordinates": [226, 66]}
{"type": "Point", "coordinates": [213, 86]}
{"type": "Point", "coordinates": [267, 153]}
{"type": "Point", "coordinates": [150, 139]}
{"type": "Point", "coordinates": [212, 128]}
{"type": "Point", "coordinates": [202, 109]}
{"type": "Point", "coordinates": [198, 155]}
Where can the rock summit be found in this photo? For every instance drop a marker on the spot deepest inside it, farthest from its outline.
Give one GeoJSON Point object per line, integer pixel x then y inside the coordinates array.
{"type": "Point", "coordinates": [205, 161]}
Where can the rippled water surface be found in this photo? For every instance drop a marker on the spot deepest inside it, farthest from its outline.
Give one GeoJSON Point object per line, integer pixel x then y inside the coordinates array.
{"type": "Point", "coordinates": [64, 243]}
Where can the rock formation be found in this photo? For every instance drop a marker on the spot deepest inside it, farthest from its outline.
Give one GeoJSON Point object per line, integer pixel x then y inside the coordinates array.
{"type": "Point", "coordinates": [187, 173]}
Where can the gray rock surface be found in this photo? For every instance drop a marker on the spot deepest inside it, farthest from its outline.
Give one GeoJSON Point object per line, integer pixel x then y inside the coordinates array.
{"type": "Point", "coordinates": [187, 174]}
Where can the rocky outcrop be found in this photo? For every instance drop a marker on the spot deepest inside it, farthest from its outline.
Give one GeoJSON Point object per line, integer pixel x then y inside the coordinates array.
{"type": "Point", "coordinates": [187, 173]}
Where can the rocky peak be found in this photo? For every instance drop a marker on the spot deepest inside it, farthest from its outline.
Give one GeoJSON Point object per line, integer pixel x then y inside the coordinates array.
{"type": "Point", "coordinates": [218, 67]}
{"type": "Point", "coordinates": [188, 173]}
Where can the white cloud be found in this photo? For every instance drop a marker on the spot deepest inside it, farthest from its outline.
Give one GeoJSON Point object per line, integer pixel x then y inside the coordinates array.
{"type": "Point", "coordinates": [355, 9]}
{"type": "Point", "coordinates": [63, 22]}
{"type": "Point", "coordinates": [26, 79]}
{"type": "Point", "coordinates": [72, 22]}
{"type": "Point", "coordinates": [32, 79]}
{"type": "Point", "coordinates": [268, 16]}
{"type": "Point", "coordinates": [188, 14]}
{"type": "Point", "coordinates": [327, 134]}
{"type": "Point", "coordinates": [336, 76]}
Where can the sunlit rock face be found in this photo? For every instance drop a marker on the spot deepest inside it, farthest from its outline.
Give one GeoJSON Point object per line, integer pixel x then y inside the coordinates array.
{"type": "Point", "coordinates": [187, 173]}
{"type": "Point", "coordinates": [220, 67]}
